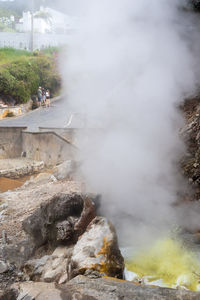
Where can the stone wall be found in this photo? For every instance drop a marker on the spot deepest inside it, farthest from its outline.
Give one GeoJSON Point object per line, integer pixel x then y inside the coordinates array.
{"type": "Point", "coordinates": [11, 142]}
{"type": "Point", "coordinates": [48, 147]}
{"type": "Point", "coordinates": [74, 135]}
{"type": "Point", "coordinates": [67, 133]}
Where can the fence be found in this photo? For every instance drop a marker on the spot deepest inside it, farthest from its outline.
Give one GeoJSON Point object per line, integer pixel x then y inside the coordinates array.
{"type": "Point", "coordinates": [40, 41]}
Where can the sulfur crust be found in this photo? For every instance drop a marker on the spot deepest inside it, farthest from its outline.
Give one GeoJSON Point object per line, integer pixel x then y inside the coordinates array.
{"type": "Point", "coordinates": [170, 261]}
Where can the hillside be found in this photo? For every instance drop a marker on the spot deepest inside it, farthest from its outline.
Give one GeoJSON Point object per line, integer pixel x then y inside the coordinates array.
{"type": "Point", "coordinates": [22, 72]}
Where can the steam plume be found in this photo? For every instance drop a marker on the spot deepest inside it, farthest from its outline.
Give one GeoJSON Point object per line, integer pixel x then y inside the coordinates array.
{"type": "Point", "coordinates": [127, 70]}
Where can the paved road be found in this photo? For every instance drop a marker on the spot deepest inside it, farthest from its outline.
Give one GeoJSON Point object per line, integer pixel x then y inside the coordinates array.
{"type": "Point", "coordinates": [54, 116]}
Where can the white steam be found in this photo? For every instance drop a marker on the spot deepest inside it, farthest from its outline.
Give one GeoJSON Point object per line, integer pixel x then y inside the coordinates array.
{"type": "Point", "coordinates": [127, 70]}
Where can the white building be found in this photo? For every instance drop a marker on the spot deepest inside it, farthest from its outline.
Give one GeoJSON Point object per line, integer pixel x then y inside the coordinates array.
{"type": "Point", "coordinates": [40, 24]}
{"type": "Point", "coordinates": [7, 21]}
{"type": "Point", "coordinates": [48, 20]}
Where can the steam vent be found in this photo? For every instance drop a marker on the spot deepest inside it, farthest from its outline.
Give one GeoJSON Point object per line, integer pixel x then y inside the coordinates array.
{"type": "Point", "coordinates": [100, 150]}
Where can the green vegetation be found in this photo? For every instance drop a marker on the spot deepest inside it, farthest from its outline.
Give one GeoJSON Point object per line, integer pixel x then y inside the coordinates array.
{"type": "Point", "coordinates": [50, 50]}
{"type": "Point", "coordinates": [43, 15]}
{"type": "Point", "coordinates": [4, 28]}
{"type": "Point", "coordinates": [6, 13]}
{"type": "Point", "coordinates": [8, 55]}
{"type": "Point", "coordinates": [6, 23]}
{"type": "Point", "coordinates": [21, 72]}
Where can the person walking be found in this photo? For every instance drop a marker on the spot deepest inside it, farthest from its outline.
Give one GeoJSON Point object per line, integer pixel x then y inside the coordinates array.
{"type": "Point", "coordinates": [43, 96]}
{"type": "Point", "coordinates": [39, 93]}
{"type": "Point", "coordinates": [47, 98]}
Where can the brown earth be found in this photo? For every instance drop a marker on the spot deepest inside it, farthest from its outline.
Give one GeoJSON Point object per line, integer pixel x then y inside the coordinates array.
{"type": "Point", "coordinates": [7, 184]}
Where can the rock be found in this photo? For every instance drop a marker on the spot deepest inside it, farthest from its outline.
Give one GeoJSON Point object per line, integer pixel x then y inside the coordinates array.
{"type": "Point", "coordinates": [98, 250]}
{"type": "Point", "coordinates": [52, 268]}
{"type": "Point", "coordinates": [16, 168]}
{"type": "Point", "coordinates": [8, 294]}
{"type": "Point", "coordinates": [18, 253]}
{"type": "Point", "coordinates": [64, 170]}
{"type": "Point", "coordinates": [62, 219]}
{"type": "Point", "coordinates": [83, 288]}
{"type": "Point", "coordinates": [33, 268]}
{"type": "Point", "coordinates": [96, 254]}
{"type": "Point", "coordinates": [40, 178]}
{"type": "Point", "coordinates": [58, 266]}
{"type": "Point", "coordinates": [38, 291]}
{"type": "Point", "coordinates": [4, 267]}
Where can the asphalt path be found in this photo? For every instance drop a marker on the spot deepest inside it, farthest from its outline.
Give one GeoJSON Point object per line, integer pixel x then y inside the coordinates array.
{"type": "Point", "coordinates": [54, 116]}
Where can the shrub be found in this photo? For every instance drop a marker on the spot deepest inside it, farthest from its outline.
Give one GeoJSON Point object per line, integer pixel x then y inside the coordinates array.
{"type": "Point", "coordinates": [49, 76]}
{"type": "Point", "coordinates": [7, 82]}
{"type": "Point", "coordinates": [20, 79]}
{"type": "Point", "coordinates": [51, 50]}
{"type": "Point", "coordinates": [23, 70]}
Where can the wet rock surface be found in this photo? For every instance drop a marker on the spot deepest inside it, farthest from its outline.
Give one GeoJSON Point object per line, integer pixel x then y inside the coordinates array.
{"type": "Point", "coordinates": [83, 288]}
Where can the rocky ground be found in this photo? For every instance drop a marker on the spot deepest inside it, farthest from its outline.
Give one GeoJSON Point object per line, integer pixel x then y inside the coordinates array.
{"type": "Point", "coordinates": [15, 207]}
{"type": "Point", "coordinates": [85, 288]}
{"type": "Point", "coordinates": [50, 233]}
{"type": "Point", "coordinates": [16, 168]}
{"type": "Point", "coordinates": [53, 244]}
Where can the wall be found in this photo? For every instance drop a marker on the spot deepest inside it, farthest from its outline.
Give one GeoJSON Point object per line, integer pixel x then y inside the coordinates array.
{"type": "Point", "coordinates": [11, 142]}
{"type": "Point", "coordinates": [48, 147]}
{"type": "Point", "coordinates": [23, 40]}
{"type": "Point", "coordinates": [74, 135]}
{"type": "Point", "coordinates": [67, 133]}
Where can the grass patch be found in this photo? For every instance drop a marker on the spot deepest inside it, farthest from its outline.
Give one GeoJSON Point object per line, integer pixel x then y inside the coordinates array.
{"type": "Point", "coordinates": [8, 55]}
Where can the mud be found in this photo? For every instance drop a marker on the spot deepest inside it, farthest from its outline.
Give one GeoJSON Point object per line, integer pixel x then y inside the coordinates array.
{"type": "Point", "coordinates": [8, 184]}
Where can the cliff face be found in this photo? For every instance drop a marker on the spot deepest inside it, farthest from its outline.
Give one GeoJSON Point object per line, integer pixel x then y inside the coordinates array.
{"type": "Point", "coordinates": [191, 134]}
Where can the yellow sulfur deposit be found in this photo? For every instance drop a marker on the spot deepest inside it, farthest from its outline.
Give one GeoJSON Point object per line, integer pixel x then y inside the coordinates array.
{"type": "Point", "coordinates": [170, 261]}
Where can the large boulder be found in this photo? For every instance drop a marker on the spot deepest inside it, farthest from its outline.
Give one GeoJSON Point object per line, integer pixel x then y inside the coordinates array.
{"type": "Point", "coordinates": [83, 288]}
{"type": "Point", "coordinates": [95, 254]}
{"type": "Point", "coordinates": [98, 250]}
{"type": "Point", "coordinates": [60, 220]}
